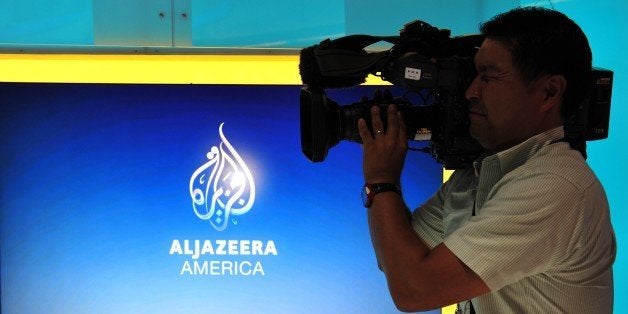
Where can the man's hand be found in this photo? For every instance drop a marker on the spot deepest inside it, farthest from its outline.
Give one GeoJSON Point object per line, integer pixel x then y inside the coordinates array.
{"type": "Point", "coordinates": [385, 150]}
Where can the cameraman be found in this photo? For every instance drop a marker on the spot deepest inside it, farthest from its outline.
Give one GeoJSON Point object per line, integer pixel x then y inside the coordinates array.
{"type": "Point", "coordinates": [526, 228]}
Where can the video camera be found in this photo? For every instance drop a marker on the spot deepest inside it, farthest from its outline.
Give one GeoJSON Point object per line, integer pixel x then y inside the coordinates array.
{"type": "Point", "coordinates": [426, 62]}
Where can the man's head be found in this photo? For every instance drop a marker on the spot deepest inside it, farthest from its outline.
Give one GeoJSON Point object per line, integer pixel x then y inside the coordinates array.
{"type": "Point", "coordinates": [533, 69]}
{"type": "Point", "coordinates": [544, 41]}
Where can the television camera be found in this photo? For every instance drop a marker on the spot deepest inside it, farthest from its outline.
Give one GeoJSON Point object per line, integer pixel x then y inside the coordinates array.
{"type": "Point", "coordinates": [435, 68]}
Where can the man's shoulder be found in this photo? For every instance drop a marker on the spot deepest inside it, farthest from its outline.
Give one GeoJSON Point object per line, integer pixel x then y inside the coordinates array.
{"type": "Point", "coordinates": [557, 160]}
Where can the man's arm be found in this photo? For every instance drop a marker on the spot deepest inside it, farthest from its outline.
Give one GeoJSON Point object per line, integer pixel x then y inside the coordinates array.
{"type": "Point", "coordinates": [418, 278]}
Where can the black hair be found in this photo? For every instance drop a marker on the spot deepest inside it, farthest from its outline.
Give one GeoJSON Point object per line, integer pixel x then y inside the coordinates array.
{"type": "Point", "coordinates": [544, 41]}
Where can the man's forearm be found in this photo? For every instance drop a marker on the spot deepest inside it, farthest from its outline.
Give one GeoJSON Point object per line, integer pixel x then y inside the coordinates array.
{"type": "Point", "coordinates": [398, 249]}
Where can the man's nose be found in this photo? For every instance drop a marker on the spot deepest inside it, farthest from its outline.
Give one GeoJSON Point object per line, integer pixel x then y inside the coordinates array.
{"type": "Point", "coordinates": [473, 91]}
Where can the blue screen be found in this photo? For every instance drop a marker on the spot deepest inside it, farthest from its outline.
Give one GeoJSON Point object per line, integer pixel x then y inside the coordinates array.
{"type": "Point", "coordinates": [182, 199]}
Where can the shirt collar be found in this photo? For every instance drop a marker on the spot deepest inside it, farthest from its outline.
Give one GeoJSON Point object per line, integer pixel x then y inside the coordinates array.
{"type": "Point", "coordinates": [517, 155]}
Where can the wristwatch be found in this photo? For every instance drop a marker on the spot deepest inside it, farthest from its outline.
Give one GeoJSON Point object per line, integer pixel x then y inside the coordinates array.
{"type": "Point", "coordinates": [369, 190]}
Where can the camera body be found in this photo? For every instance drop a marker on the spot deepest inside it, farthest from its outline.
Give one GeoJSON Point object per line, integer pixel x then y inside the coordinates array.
{"type": "Point", "coordinates": [425, 62]}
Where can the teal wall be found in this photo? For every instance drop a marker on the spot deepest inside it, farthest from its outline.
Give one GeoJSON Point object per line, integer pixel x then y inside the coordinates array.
{"type": "Point", "coordinates": [170, 23]}
{"type": "Point", "coordinates": [284, 23]}
{"type": "Point", "coordinates": [65, 22]}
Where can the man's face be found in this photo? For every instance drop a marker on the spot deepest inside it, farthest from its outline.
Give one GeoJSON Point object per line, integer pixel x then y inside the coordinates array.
{"type": "Point", "coordinates": [504, 108]}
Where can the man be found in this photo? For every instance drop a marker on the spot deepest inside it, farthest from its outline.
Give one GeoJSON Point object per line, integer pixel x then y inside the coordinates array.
{"type": "Point", "coordinates": [526, 228]}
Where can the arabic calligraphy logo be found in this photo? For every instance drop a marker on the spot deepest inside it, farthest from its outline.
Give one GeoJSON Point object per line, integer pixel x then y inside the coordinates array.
{"type": "Point", "coordinates": [223, 186]}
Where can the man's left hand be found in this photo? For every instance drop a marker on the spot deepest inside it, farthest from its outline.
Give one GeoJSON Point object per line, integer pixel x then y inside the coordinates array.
{"type": "Point", "coordinates": [384, 150]}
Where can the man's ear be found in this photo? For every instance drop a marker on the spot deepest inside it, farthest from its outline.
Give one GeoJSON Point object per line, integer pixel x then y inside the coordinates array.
{"type": "Point", "coordinates": [555, 86]}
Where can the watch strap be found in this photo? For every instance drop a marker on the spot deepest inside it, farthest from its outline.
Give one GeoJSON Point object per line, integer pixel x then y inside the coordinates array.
{"type": "Point", "coordinates": [371, 189]}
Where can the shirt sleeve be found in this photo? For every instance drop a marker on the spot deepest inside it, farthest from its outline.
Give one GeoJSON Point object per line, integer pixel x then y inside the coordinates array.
{"type": "Point", "coordinates": [525, 227]}
{"type": "Point", "coordinates": [429, 219]}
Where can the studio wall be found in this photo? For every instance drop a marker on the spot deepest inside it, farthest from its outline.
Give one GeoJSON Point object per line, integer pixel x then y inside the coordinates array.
{"type": "Point", "coordinates": [39, 25]}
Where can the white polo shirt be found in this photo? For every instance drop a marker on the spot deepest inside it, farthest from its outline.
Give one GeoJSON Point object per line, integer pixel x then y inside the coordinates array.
{"type": "Point", "coordinates": [541, 237]}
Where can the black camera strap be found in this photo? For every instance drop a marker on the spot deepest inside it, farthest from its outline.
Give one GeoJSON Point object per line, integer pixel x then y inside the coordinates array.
{"type": "Point", "coordinates": [346, 55]}
{"type": "Point", "coordinates": [342, 62]}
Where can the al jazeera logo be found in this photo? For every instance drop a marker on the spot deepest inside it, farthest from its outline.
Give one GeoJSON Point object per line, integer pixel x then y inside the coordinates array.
{"type": "Point", "coordinates": [221, 190]}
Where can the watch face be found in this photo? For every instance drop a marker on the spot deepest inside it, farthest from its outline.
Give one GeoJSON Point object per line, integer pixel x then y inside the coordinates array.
{"type": "Point", "coordinates": [365, 195]}
{"type": "Point", "coordinates": [370, 190]}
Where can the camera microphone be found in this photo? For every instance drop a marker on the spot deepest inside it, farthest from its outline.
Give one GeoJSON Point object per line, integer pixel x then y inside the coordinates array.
{"type": "Point", "coordinates": [312, 74]}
